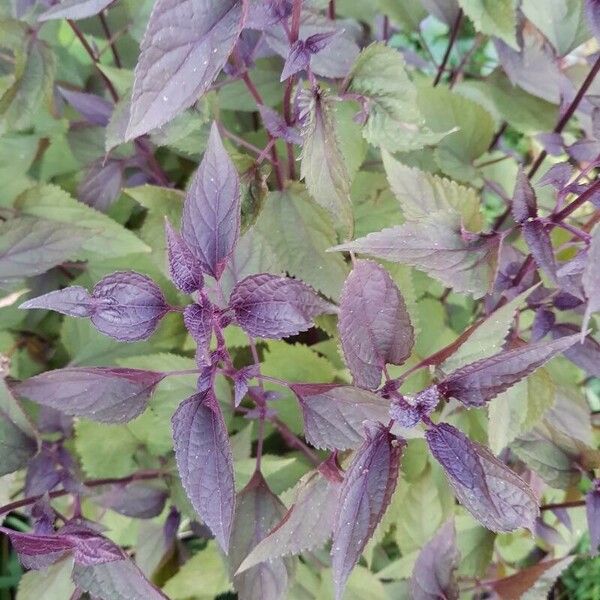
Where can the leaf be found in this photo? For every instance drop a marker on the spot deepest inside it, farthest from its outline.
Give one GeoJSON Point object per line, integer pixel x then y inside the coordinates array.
{"type": "Point", "coordinates": [366, 492]}
{"type": "Point", "coordinates": [185, 46]}
{"type": "Point", "coordinates": [275, 307]}
{"type": "Point", "coordinates": [421, 193]}
{"type": "Point", "coordinates": [211, 213]}
{"type": "Point", "coordinates": [101, 184]}
{"type": "Point", "coordinates": [394, 121]}
{"type": "Point", "coordinates": [593, 16]}
{"type": "Point", "coordinates": [434, 571]}
{"type": "Point", "coordinates": [524, 200]}
{"type": "Point", "coordinates": [592, 508]}
{"type": "Point", "coordinates": [334, 414]}
{"type": "Point", "coordinates": [323, 165]}
{"type": "Point", "coordinates": [258, 510]}
{"type": "Point", "coordinates": [374, 325]}
{"type": "Point", "coordinates": [437, 247]}
{"type": "Point", "coordinates": [198, 319]}
{"type": "Point", "coordinates": [74, 9]}
{"type": "Point", "coordinates": [306, 525]}
{"type": "Point", "coordinates": [105, 394]}
{"type": "Point", "coordinates": [118, 580]}
{"type": "Point", "coordinates": [540, 245]}
{"type": "Point", "coordinates": [32, 246]}
{"type": "Point", "coordinates": [103, 236]}
{"type": "Point", "coordinates": [54, 582]}
{"type": "Point", "coordinates": [74, 301]}
{"type": "Point", "coordinates": [479, 382]}
{"type": "Point", "coordinates": [277, 126]}
{"type": "Point", "coordinates": [493, 17]}
{"type": "Point", "coordinates": [591, 279]}
{"type": "Point", "coordinates": [532, 582]}
{"type": "Point", "coordinates": [204, 462]}
{"type": "Point", "coordinates": [486, 487]}
{"type": "Point", "coordinates": [298, 232]}
{"type": "Point", "coordinates": [95, 109]}
{"type": "Point", "coordinates": [185, 270]}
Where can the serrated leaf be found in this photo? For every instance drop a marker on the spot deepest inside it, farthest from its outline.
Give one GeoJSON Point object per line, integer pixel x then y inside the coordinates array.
{"type": "Point", "coordinates": [486, 487]}
{"type": "Point", "coordinates": [481, 381]}
{"type": "Point", "coordinates": [185, 46]}
{"type": "Point", "coordinates": [394, 122]}
{"type": "Point", "coordinates": [366, 492]}
{"type": "Point", "coordinates": [305, 526]}
{"type": "Point", "coordinates": [334, 414]}
{"type": "Point", "coordinates": [437, 247]}
{"type": "Point", "coordinates": [103, 236]}
{"type": "Point", "coordinates": [204, 462]}
{"type": "Point", "coordinates": [538, 239]}
{"type": "Point", "coordinates": [434, 570]}
{"type": "Point", "coordinates": [210, 224]}
{"type": "Point", "coordinates": [493, 17]}
{"type": "Point", "coordinates": [323, 165]}
{"type": "Point", "coordinates": [105, 394]}
{"type": "Point", "coordinates": [185, 270]}
{"type": "Point", "coordinates": [275, 307]}
{"type": "Point", "coordinates": [374, 325]}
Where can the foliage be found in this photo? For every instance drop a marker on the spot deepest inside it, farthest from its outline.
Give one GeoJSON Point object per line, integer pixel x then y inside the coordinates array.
{"type": "Point", "coordinates": [299, 299]}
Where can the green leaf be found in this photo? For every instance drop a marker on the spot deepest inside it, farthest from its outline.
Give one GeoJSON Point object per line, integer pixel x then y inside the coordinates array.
{"type": "Point", "coordinates": [323, 165]}
{"type": "Point", "coordinates": [519, 409]}
{"type": "Point", "coordinates": [406, 13]}
{"type": "Point", "coordinates": [445, 110]}
{"type": "Point", "coordinates": [53, 582]}
{"type": "Point", "coordinates": [104, 237]}
{"type": "Point", "coordinates": [395, 122]}
{"type": "Point", "coordinates": [299, 232]}
{"type": "Point", "coordinates": [421, 193]}
{"type": "Point", "coordinates": [202, 577]}
{"type": "Point", "coordinates": [476, 546]}
{"type": "Point", "coordinates": [281, 473]}
{"type": "Point", "coordinates": [493, 17]}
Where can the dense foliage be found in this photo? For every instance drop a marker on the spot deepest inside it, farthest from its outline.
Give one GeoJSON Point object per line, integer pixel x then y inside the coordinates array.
{"type": "Point", "coordinates": [313, 292]}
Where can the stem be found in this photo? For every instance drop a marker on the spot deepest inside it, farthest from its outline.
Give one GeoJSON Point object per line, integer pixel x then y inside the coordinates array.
{"type": "Point", "coordinates": [139, 476]}
{"type": "Point", "coordinates": [571, 504]}
{"type": "Point", "coordinates": [571, 208]}
{"type": "Point", "coordinates": [453, 36]}
{"type": "Point", "coordinates": [562, 122]}
{"type": "Point", "coordinates": [261, 407]}
{"type": "Point", "coordinates": [386, 29]}
{"type": "Point", "coordinates": [465, 59]}
{"type": "Point", "coordinates": [331, 10]}
{"type": "Point", "coordinates": [109, 39]}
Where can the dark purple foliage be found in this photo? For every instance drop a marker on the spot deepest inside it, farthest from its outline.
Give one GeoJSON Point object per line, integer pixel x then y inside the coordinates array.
{"type": "Point", "coordinates": [592, 504]}
{"type": "Point", "coordinates": [95, 109]}
{"type": "Point", "coordinates": [198, 319]}
{"type": "Point", "coordinates": [185, 269]}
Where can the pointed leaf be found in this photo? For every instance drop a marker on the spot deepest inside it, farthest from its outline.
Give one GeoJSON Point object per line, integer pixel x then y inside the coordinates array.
{"type": "Point", "coordinates": [185, 270]}
{"type": "Point", "coordinates": [74, 301]}
{"type": "Point", "coordinates": [211, 214]}
{"type": "Point", "coordinates": [374, 324]}
{"type": "Point", "coordinates": [524, 201]}
{"type": "Point", "coordinates": [258, 510]}
{"type": "Point", "coordinates": [305, 526]}
{"type": "Point", "coordinates": [540, 245]}
{"type": "Point", "coordinates": [204, 462]}
{"type": "Point", "coordinates": [334, 414]}
{"type": "Point", "coordinates": [277, 126]}
{"type": "Point", "coordinates": [275, 307]}
{"type": "Point", "coordinates": [74, 9]}
{"type": "Point", "coordinates": [486, 487]}
{"type": "Point", "coordinates": [105, 394]}
{"type": "Point", "coordinates": [498, 18]}
{"type": "Point", "coordinates": [198, 319]}
{"type": "Point", "coordinates": [434, 571]}
{"type": "Point", "coordinates": [298, 59]}
{"type": "Point", "coordinates": [437, 247]}
{"type": "Point", "coordinates": [591, 278]}
{"type": "Point", "coordinates": [592, 507]}
{"type": "Point", "coordinates": [366, 492]}
{"type": "Point", "coordinates": [95, 109]}
{"type": "Point", "coordinates": [186, 44]}
{"type": "Point", "coordinates": [478, 382]}
{"type": "Point", "coordinates": [128, 306]}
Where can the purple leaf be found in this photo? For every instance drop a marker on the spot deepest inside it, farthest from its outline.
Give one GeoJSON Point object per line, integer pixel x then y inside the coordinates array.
{"type": "Point", "coordinates": [306, 525]}
{"type": "Point", "coordinates": [117, 580]}
{"type": "Point", "coordinates": [211, 214]}
{"type": "Point", "coordinates": [366, 492]}
{"type": "Point", "coordinates": [101, 184]}
{"type": "Point", "coordinates": [591, 279]}
{"type": "Point", "coordinates": [437, 247]}
{"type": "Point", "coordinates": [478, 382]}
{"type": "Point", "coordinates": [90, 548]}
{"type": "Point", "coordinates": [592, 13]}
{"type": "Point", "coordinates": [319, 41]}
{"type": "Point", "coordinates": [277, 126]}
{"type": "Point", "coordinates": [374, 324]}
{"type": "Point", "coordinates": [557, 175]}
{"type": "Point", "coordinates": [257, 511]}
{"type": "Point", "coordinates": [198, 319]}
{"type": "Point", "coordinates": [334, 414]}
{"type": "Point", "coordinates": [434, 571]}
{"type": "Point", "coordinates": [128, 306]}
{"type": "Point", "coordinates": [542, 324]}
{"type": "Point", "coordinates": [185, 270]}
{"type": "Point", "coordinates": [204, 462]}
{"type": "Point", "coordinates": [53, 547]}
{"type": "Point", "coordinates": [540, 245]}
{"type": "Point", "coordinates": [95, 109]}
{"type": "Point", "coordinates": [275, 307]}
{"type": "Point", "coordinates": [298, 59]}
{"type": "Point", "coordinates": [138, 499]}
{"type": "Point", "coordinates": [266, 13]}
{"type": "Point", "coordinates": [407, 411]}
{"type": "Point", "coordinates": [240, 382]}
{"type": "Point", "coordinates": [186, 44]}
{"type": "Point", "coordinates": [74, 9]}
{"type": "Point", "coordinates": [592, 507]}
{"type": "Point", "coordinates": [486, 487]}
{"type": "Point", "coordinates": [585, 355]}
{"type": "Point", "coordinates": [105, 394]}
{"type": "Point", "coordinates": [524, 201]}
{"type": "Point", "coordinates": [74, 301]}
